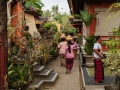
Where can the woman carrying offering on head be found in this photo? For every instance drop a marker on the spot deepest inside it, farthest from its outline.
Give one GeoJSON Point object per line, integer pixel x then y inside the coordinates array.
{"type": "Point", "coordinates": [69, 55]}
{"type": "Point", "coordinates": [61, 46]}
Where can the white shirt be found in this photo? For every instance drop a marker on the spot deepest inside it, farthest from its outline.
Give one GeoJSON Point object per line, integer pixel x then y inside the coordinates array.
{"type": "Point", "coordinates": [96, 46]}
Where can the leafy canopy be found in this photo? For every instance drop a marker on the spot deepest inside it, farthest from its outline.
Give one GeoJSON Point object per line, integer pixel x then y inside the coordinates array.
{"type": "Point", "coordinates": [37, 4]}
{"type": "Point", "coordinates": [50, 25]}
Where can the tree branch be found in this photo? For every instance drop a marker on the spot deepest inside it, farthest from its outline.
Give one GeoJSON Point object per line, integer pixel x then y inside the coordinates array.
{"type": "Point", "coordinates": [8, 12]}
{"type": "Point", "coordinates": [17, 14]}
{"type": "Point", "coordinates": [15, 29]}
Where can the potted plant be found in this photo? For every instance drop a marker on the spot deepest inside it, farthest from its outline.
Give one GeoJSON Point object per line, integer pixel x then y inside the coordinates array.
{"type": "Point", "coordinates": [88, 48]}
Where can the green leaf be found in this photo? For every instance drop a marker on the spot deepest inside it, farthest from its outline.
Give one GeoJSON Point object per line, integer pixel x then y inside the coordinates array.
{"type": "Point", "coordinates": [28, 4]}
{"type": "Point", "coordinates": [10, 72]}
{"type": "Point", "coordinates": [89, 44]}
{"type": "Point", "coordinates": [10, 66]}
{"type": "Point", "coordinates": [108, 19]}
{"type": "Point", "coordinates": [86, 17]}
{"type": "Point", "coordinates": [39, 12]}
{"type": "Point", "coordinates": [37, 5]}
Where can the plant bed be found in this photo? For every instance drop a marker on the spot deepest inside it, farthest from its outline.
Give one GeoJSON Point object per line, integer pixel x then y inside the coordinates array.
{"type": "Point", "coordinates": [106, 72]}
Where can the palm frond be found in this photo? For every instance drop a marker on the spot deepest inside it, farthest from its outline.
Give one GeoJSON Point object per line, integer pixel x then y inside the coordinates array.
{"type": "Point", "coordinates": [86, 17]}
{"type": "Point", "coordinates": [115, 14]}
{"type": "Point", "coordinates": [114, 6]}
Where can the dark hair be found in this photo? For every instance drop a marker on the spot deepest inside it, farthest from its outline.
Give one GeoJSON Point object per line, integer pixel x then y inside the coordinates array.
{"type": "Point", "coordinates": [97, 38]}
{"type": "Point", "coordinates": [74, 39]}
{"type": "Point", "coordinates": [62, 39]}
{"type": "Point", "coordinates": [69, 43]}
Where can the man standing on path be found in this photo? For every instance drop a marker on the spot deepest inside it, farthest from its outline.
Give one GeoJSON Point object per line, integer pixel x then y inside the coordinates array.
{"type": "Point", "coordinates": [99, 71]}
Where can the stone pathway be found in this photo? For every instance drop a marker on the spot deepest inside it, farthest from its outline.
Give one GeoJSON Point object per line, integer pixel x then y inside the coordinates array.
{"type": "Point", "coordinates": [65, 81]}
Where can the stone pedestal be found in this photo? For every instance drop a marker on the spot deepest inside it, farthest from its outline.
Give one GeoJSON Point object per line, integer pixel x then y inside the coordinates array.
{"type": "Point", "coordinates": [89, 61]}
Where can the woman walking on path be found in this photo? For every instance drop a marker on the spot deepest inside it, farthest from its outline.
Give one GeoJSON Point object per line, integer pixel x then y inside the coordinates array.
{"type": "Point", "coordinates": [69, 55]}
{"type": "Point", "coordinates": [99, 71]}
{"type": "Point", "coordinates": [61, 46]}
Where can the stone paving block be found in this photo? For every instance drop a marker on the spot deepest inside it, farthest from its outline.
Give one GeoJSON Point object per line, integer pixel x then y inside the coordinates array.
{"type": "Point", "coordinates": [65, 81]}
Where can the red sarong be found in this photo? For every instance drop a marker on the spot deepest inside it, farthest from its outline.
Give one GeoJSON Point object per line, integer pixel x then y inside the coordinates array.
{"type": "Point", "coordinates": [99, 71]}
{"type": "Point", "coordinates": [69, 63]}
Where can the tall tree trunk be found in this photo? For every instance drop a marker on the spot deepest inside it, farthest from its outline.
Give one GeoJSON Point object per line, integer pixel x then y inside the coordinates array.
{"type": "Point", "coordinates": [3, 43]}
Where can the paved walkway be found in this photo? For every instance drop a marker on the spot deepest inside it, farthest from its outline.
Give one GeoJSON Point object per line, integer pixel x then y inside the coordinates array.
{"type": "Point", "coordinates": [65, 81]}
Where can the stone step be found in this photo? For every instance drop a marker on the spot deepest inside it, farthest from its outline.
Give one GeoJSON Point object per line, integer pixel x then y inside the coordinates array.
{"type": "Point", "coordinates": [34, 64]}
{"type": "Point", "coordinates": [97, 87]}
{"type": "Point", "coordinates": [36, 84]}
{"type": "Point", "coordinates": [51, 78]}
{"type": "Point", "coordinates": [44, 72]}
{"type": "Point", "coordinates": [38, 68]}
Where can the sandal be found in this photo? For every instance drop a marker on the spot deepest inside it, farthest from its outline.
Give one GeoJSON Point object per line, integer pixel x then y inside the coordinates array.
{"type": "Point", "coordinates": [66, 72]}
{"type": "Point", "coordinates": [64, 65]}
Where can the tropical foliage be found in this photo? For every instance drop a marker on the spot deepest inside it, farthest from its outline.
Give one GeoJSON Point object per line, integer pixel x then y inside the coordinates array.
{"type": "Point", "coordinates": [113, 14]}
{"type": "Point", "coordinates": [113, 57]}
{"type": "Point", "coordinates": [70, 31]}
{"type": "Point", "coordinates": [115, 6]}
{"type": "Point", "coordinates": [50, 26]}
{"type": "Point", "coordinates": [37, 4]}
{"type": "Point", "coordinates": [55, 9]}
{"type": "Point", "coordinates": [114, 53]}
{"type": "Point", "coordinates": [116, 31]}
{"type": "Point", "coordinates": [113, 62]}
{"type": "Point", "coordinates": [47, 14]}
{"type": "Point", "coordinates": [112, 44]}
{"type": "Point", "coordinates": [62, 18]}
{"type": "Point", "coordinates": [89, 44]}
{"type": "Point", "coordinates": [19, 75]}
{"type": "Point", "coordinates": [85, 16]}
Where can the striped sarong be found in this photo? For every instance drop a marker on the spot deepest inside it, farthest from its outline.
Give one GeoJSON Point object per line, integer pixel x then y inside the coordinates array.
{"type": "Point", "coordinates": [69, 63]}
{"type": "Point", "coordinates": [99, 70]}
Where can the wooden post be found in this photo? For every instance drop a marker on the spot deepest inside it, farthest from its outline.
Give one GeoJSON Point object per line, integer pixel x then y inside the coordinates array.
{"type": "Point", "coordinates": [3, 42]}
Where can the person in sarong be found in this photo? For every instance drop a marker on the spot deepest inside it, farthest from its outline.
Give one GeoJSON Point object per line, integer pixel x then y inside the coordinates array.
{"type": "Point", "coordinates": [61, 46]}
{"type": "Point", "coordinates": [98, 65]}
{"type": "Point", "coordinates": [69, 55]}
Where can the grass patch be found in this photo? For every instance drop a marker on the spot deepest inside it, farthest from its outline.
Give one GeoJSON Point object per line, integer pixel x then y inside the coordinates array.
{"type": "Point", "coordinates": [106, 72]}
